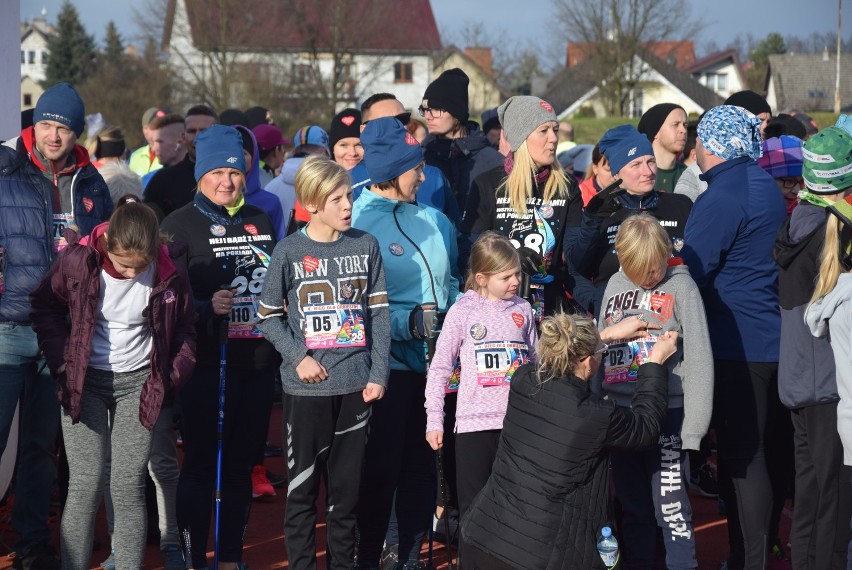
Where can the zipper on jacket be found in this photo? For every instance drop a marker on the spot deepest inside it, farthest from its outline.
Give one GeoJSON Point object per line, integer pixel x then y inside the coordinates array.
{"type": "Point", "coordinates": [425, 262]}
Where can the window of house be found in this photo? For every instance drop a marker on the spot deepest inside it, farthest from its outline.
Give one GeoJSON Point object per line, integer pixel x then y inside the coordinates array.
{"type": "Point", "coordinates": [31, 56]}
{"type": "Point", "coordinates": [301, 72]}
{"type": "Point", "coordinates": [722, 82]}
{"type": "Point", "coordinates": [816, 93]}
{"type": "Point", "coordinates": [44, 58]}
{"type": "Point", "coordinates": [402, 72]}
{"type": "Point", "coordinates": [28, 99]}
{"type": "Point", "coordinates": [23, 56]}
{"type": "Point", "coordinates": [637, 103]}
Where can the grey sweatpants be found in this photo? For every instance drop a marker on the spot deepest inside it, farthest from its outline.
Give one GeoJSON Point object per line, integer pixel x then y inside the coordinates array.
{"type": "Point", "coordinates": [108, 399]}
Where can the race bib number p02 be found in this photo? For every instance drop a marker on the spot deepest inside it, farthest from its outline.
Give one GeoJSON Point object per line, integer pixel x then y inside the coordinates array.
{"type": "Point", "coordinates": [496, 362]}
{"type": "Point", "coordinates": [334, 326]}
{"type": "Point", "coordinates": [624, 359]}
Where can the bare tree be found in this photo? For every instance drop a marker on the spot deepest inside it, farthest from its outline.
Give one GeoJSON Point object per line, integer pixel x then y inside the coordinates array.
{"type": "Point", "coordinates": [612, 32]}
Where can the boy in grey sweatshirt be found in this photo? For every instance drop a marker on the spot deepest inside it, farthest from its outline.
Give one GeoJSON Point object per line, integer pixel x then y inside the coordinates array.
{"type": "Point", "coordinates": [651, 484]}
{"type": "Point", "coordinates": [324, 307]}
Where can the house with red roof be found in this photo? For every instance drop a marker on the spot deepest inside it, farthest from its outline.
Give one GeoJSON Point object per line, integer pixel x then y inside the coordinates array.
{"type": "Point", "coordinates": [337, 50]}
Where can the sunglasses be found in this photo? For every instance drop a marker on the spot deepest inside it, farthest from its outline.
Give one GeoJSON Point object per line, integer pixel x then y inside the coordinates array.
{"type": "Point", "coordinates": [603, 351]}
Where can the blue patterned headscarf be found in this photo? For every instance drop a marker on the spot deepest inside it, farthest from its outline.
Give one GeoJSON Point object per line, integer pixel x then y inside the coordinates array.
{"type": "Point", "coordinates": [730, 132]}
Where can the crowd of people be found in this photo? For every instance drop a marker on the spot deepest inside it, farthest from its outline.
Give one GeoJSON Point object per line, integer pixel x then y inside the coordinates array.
{"type": "Point", "coordinates": [488, 326]}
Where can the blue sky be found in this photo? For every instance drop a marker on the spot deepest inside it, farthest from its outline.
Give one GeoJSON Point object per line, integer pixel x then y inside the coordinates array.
{"type": "Point", "coordinates": [525, 22]}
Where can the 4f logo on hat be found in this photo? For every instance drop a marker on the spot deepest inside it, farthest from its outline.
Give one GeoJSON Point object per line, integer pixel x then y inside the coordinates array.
{"type": "Point", "coordinates": [232, 160]}
{"type": "Point", "coordinates": [632, 151]}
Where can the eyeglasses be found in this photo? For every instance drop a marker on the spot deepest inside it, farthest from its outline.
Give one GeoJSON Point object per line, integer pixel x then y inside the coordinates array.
{"type": "Point", "coordinates": [403, 118]}
{"type": "Point", "coordinates": [790, 182]}
{"type": "Point", "coordinates": [603, 351]}
{"type": "Point", "coordinates": [434, 113]}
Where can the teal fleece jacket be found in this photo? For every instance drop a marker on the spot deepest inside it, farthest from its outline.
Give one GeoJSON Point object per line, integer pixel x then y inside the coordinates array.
{"type": "Point", "coordinates": [419, 252]}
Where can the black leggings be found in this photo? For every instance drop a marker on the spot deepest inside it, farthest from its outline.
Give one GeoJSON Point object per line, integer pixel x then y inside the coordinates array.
{"type": "Point", "coordinates": [247, 396]}
{"type": "Point", "coordinates": [744, 394]}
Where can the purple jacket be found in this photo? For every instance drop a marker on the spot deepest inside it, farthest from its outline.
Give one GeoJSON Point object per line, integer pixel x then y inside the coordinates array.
{"type": "Point", "coordinates": [485, 336]}
{"type": "Point", "coordinates": [72, 289]}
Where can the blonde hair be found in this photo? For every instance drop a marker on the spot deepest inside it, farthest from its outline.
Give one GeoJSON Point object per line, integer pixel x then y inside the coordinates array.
{"type": "Point", "coordinates": [830, 267]}
{"type": "Point", "coordinates": [563, 342]}
{"type": "Point", "coordinates": [492, 253]}
{"type": "Point", "coordinates": [317, 178]}
{"type": "Point", "coordinates": [519, 183]}
{"type": "Point", "coordinates": [642, 245]}
{"type": "Point", "coordinates": [109, 133]}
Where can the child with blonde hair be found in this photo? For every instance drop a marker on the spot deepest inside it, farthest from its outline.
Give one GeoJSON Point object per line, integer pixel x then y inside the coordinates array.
{"type": "Point", "coordinates": [492, 331]}
{"type": "Point", "coordinates": [652, 483]}
{"type": "Point", "coordinates": [324, 307]}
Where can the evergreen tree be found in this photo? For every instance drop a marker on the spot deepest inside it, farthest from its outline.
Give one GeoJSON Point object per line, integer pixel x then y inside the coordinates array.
{"type": "Point", "coordinates": [113, 52]}
{"type": "Point", "coordinates": [71, 50]}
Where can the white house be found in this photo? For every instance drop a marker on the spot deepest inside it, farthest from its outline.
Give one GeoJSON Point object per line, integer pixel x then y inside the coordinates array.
{"type": "Point", "coordinates": [720, 72]}
{"type": "Point", "coordinates": [658, 81]}
{"type": "Point", "coordinates": [379, 46]}
{"type": "Point", "coordinates": [34, 54]}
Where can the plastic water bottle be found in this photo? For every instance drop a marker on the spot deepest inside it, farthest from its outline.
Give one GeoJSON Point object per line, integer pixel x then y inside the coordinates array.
{"type": "Point", "coordinates": [608, 547]}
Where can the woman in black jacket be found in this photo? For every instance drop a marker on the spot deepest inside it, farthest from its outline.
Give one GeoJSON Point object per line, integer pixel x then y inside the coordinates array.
{"type": "Point", "coordinates": [546, 500]}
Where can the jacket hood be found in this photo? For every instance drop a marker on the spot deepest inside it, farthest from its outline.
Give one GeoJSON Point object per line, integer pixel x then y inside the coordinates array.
{"type": "Point", "coordinates": [165, 266]}
{"type": "Point", "coordinates": [472, 296]}
{"type": "Point", "coordinates": [472, 143]}
{"type": "Point", "coordinates": [821, 311]}
{"type": "Point", "coordinates": [253, 177]}
{"type": "Point", "coordinates": [372, 201]}
{"type": "Point", "coordinates": [288, 171]}
{"type": "Point", "coordinates": [81, 155]}
{"type": "Point", "coordinates": [793, 234]}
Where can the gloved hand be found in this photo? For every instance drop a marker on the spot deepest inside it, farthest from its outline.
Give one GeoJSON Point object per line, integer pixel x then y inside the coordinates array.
{"type": "Point", "coordinates": [605, 203]}
{"type": "Point", "coordinates": [424, 321]}
{"type": "Point", "coordinates": [531, 261]}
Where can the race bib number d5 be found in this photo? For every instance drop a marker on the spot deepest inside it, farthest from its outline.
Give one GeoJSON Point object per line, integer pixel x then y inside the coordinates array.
{"type": "Point", "coordinates": [496, 362]}
{"type": "Point", "coordinates": [623, 361]}
{"type": "Point", "coordinates": [334, 326]}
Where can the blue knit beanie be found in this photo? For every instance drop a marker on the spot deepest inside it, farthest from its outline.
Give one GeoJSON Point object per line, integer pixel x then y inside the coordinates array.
{"type": "Point", "coordinates": [623, 144]}
{"type": "Point", "coordinates": [61, 104]}
{"type": "Point", "coordinates": [218, 147]}
{"type": "Point", "coordinates": [311, 134]}
{"type": "Point", "coordinates": [389, 149]}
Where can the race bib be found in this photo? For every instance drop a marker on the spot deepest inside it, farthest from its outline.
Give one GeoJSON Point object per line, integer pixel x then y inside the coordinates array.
{"type": "Point", "coordinates": [496, 362]}
{"type": "Point", "coordinates": [334, 326]}
{"type": "Point", "coordinates": [60, 222]}
{"type": "Point", "coordinates": [244, 317]}
{"type": "Point", "coordinates": [624, 360]}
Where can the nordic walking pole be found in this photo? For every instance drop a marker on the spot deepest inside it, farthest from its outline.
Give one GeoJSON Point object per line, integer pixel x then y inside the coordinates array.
{"type": "Point", "coordinates": [445, 497]}
{"type": "Point", "coordinates": [220, 422]}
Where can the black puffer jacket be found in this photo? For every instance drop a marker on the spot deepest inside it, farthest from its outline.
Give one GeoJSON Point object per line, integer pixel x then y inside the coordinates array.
{"type": "Point", "coordinates": [546, 500]}
{"type": "Point", "coordinates": [462, 159]}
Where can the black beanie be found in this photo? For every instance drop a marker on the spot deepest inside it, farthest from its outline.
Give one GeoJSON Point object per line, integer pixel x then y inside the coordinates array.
{"type": "Point", "coordinates": [449, 92]}
{"type": "Point", "coordinates": [653, 119]}
{"type": "Point", "coordinates": [750, 101]}
{"type": "Point", "coordinates": [233, 117]}
{"type": "Point", "coordinates": [347, 123]}
{"type": "Point", "coordinates": [256, 116]}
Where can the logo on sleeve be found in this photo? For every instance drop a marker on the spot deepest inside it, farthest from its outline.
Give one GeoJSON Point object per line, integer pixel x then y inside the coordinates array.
{"type": "Point", "coordinates": [519, 319]}
{"type": "Point", "coordinates": [251, 228]}
{"type": "Point", "coordinates": [169, 296]}
{"type": "Point", "coordinates": [88, 205]}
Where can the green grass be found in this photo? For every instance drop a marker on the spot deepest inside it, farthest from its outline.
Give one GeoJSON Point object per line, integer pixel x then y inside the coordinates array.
{"type": "Point", "coordinates": [590, 131]}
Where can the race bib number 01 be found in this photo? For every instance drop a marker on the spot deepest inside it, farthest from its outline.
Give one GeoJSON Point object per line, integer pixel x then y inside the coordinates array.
{"type": "Point", "coordinates": [496, 362]}
{"type": "Point", "coordinates": [334, 326]}
{"type": "Point", "coordinates": [244, 317]}
{"type": "Point", "coordinates": [624, 360]}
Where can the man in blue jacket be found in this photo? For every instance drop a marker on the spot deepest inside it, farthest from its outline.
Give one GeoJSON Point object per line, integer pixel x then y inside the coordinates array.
{"type": "Point", "coordinates": [729, 237]}
{"type": "Point", "coordinates": [49, 193]}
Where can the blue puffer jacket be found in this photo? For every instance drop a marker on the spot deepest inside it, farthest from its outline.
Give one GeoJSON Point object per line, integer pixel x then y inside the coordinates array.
{"type": "Point", "coordinates": [26, 222]}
